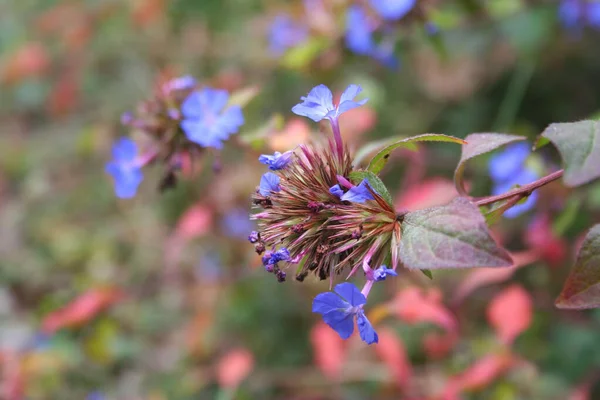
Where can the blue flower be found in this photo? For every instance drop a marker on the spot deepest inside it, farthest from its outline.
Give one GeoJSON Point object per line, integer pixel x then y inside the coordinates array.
{"type": "Point", "coordinates": [383, 272]}
{"type": "Point", "coordinates": [95, 396]}
{"type": "Point", "coordinates": [236, 223]}
{"type": "Point", "coordinates": [358, 194]}
{"type": "Point", "coordinates": [273, 257]}
{"type": "Point", "coordinates": [254, 237]}
{"type": "Point", "coordinates": [277, 160]}
{"type": "Point", "coordinates": [393, 9]}
{"type": "Point", "coordinates": [574, 14]}
{"type": "Point", "coordinates": [336, 190]}
{"type": "Point", "coordinates": [522, 178]}
{"type": "Point", "coordinates": [286, 33]}
{"type": "Point", "coordinates": [508, 163]}
{"type": "Point", "coordinates": [204, 120]}
{"type": "Point", "coordinates": [318, 104]}
{"type": "Point", "coordinates": [359, 38]}
{"type": "Point", "coordinates": [269, 182]}
{"type": "Point", "coordinates": [340, 308]}
{"type": "Point", "coordinates": [181, 83]}
{"type": "Point", "coordinates": [124, 168]}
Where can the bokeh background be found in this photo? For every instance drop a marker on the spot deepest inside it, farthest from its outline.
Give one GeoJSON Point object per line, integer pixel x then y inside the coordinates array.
{"type": "Point", "coordinates": [162, 297]}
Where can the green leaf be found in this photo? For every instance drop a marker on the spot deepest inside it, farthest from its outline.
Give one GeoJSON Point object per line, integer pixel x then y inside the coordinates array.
{"type": "Point", "coordinates": [243, 96]}
{"type": "Point", "coordinates": [372, 147]}
{"type": "Point", "coordinates": [579, 146]}
{"type": "Point", "coordinates": [478, 144]}
{"type": "Point", "coordinates": [376, 184]}
{"type": "Point", "coordinates": [582, 289]}
{"type": "Point", "coordinates": [378, 162]}
{"type": "Point", "coordinates": [302, 55]}
{"type": "Point", "coordinates": [451, 236]}
{"type": "Point", "coordinates": [427, 273]}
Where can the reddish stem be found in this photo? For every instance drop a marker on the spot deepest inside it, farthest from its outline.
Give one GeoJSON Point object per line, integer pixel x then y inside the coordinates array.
{"type": "Point", "coordinates": [524, 190]}
{"type": "Point", "coordinates": [337, 135]}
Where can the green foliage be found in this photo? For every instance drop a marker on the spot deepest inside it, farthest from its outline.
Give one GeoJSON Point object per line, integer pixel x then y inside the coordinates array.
{"type": "Point", "coordinates": [357, 176]}
{"type": "Point", "coordinates": [579, 146]}
{"type": "Point", "coordinates": [451, 236]}
{"type": "Point", "coordinates": [582, 289]}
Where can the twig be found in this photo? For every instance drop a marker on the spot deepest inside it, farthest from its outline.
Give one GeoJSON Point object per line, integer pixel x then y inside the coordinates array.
{"type": "Point", "coordinates": [522, 191]}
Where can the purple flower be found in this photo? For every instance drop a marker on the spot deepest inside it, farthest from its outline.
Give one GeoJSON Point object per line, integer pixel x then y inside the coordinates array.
{"type": "Point", "coordinates": [273, 257]}
{"type": "Point", "coordinates": [359, 38]}
{"type": "Point", "coordinates": [340, 308]}
{"type": "Point", "coordinates": [383, 272]}
{"type": "Point", "coordinates": [236, 223]}
{"type": "Point", "coordinates": [269, 182]}
{"type": "Point", "coordinates": [205, 121]}
{"type": "Point", "coordinates": [393, 9]}
{"type": "Point", "coordinates": [358, 194]}
{"type": "Point", "coordinates": [96, 395]}
{"type": "Point", "coordinates": [254, 237]}
{"type": "Point", "coordinates": [318, 104]}
{"type": "Point", "coordinates": [277, 160]}
{"type": "Point", "coordinates": [336, 190]}
{"type": "Point", "coordinates": [124, 168]}
{"type": "Point", "coordinates": [574, 14]}
{"type": "Point", "coordinates": [285, 33]}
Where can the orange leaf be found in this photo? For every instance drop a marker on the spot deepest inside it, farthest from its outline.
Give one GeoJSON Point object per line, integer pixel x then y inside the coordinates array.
{"type": "Point", "coordinates": [391, 351]}
{"type": "Point", "coordinates": [429, 193]}
{"type": "Point", "coordinates": [81, 310]}
{"type": "Point", "coordinates": [329, 350]}
{"type": "Point", "coordinates": [234, 367]}
{"type": "Point", "coordinates": [295, 132]}
{"type": "Point", "coordinates": [196, 221]}
{"type": "Point", "coordinates": [479, 375]}
{"type": "Point", "coordinates": [510, 313]}
{"type": "Point", "coordinates": [29, 60]}
{"type": "Point", "coordinates": [413, 305]}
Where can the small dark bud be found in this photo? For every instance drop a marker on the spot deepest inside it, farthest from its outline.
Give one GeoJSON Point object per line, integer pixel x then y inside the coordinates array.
{"type": "Point", "coordinates": [300, 277]}
{"type": "Point", "coordinates": [259, 248]}
{"type": "Point", "coordinates": [280, 275]}
{"type": "Point", "coordinates": [315, 206]}
{"type": "Point", "coordinates": [254, 237]}
{"type": "Point", "coordinates": [298, 228]}
{"type": "Point", "coordinates": [169, 181]}
{"type": "Point", "coordinates": [356, 234]}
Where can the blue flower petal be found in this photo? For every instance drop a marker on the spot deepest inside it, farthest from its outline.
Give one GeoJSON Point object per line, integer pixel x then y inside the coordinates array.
{"type": "Point", "coordinates": [269, 182]}
{"type": "Point", "coordinates": [358, 194]}
{"type": "Point", "coordinates": [124, 149]}
{"type": "Point", "coordinates": [193, 105]}
{"type": "Point", "coordinates": [285, 33]}
{"type": "Point", "coordinates": [229, 122]}
{"type": "Point", "coordinates": [508, 163]}
{"type": "Point", "coordinates": [393, 9]}
{"type": "Point", "coordinates": [336, 190]}
{"type": "Point", "coordinates": [359, 31]}
{"type": "Point", "coordinates": [340, 321]}
{"type": "Point", "coordinates": [383, 272]}
{"type": "Point", "coordinates": [126, 174]}
{"type": "Point", "coordinates": [316, 104]}
{"type": "Point", "coordinates": [593, 14]}
{"type": "Point", "coordinates": [277, 161]}
{"type": "Point", "coordinates": [365, 329]}
{"type": "Point", "coordinates": [522, 178]}
{"type": "Point", "coordinates": [350, 293]}
{"type": "Point", "coordinates": [328, 301]}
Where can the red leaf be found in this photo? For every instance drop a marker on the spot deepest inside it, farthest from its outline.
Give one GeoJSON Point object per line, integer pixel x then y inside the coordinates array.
{"type": "Point", "coordinates": [196, 221]}
{"type": "Point", "coordinates": [414, 306]}
{"type": "Point", "coordinates": [510, 313]}
{"type": "Point", "coordinates": [356, 122]}
{"type": "Point", "coordinates": [81, 310]}
{"type": "Point", "coordinates": [30, 60]}
{"type": "Point", "coordinates": [391, 351]}
{"type": "Point", "coordinates": [438, 345]}
{"type": "Point", "coordinates": [539, 236]}
{"type": "Point", "coordinates": [234, 367]}
{"type": "Point", "coordinates": [426, 194]}
{"type": "Point", "coordinates": [329, 350]}
{"type": "Point", "coordinates": [479, 375]}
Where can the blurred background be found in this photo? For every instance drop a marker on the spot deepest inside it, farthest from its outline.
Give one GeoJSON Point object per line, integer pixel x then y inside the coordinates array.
{"type": "Point", "coordinates": [162, 297]}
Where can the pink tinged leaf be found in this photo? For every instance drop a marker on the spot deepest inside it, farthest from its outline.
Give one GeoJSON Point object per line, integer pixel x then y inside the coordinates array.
{"type": "Point", "coordinates": [393, 354]}
{"type": "Point", "coordinates": [579, 146]}
{"type": "Point", "coordinates": [196, 221]}
{"type": "Point", "coordinates": [329, 350]}
{"type": "Point", "coordinates": [234, 367]}
{"type": "Point", "coordinates": [479, 375]}
{"type": "Point", "coordinates": [413, 305]}
{"type": "Point", "coordinates": [437, 345]}
{"type": "Point", "coordinates": [429, 193]}
{"type": "Point", "coordinates": [582, 289]}
{"type": "Point", "coordinates": [451, 236]}
{"type": "Point", "coordinates": [539, 236]}
{"type": "Point", "coordinates": [478, 144]}
{"type": "Point", "coordinates": [510, 313]}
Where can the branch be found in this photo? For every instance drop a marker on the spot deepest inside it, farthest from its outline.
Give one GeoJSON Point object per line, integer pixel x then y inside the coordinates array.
{"type": "Point", "coordinates": [523, 191]}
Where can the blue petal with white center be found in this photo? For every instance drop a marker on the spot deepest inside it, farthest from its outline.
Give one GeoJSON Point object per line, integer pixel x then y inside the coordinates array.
{"type": "Point", "coordinates": [269, 182]}
{"type": "Point", "coordinates": [124, 168]}
{"type": "Point", "coordinates": [205, 121]}
{"type": "Point", "coordinates": [339, 310]}
{"type": "Point", "coordinates": [358, 194]}
{"type": "Point", "coordinates": [277, 160]}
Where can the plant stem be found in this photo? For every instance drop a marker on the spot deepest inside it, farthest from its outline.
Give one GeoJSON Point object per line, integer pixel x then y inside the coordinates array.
{"type": "Point", "coordinates": [337, 135]}
{"type": "Point", "coordinates": [522, 191]}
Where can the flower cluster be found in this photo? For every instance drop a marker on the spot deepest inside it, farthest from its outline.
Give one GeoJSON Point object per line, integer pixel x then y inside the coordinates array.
{"type": "Point", "coordinates": [575, 14]}
{"type": "Point", "coordinates": [178, 122]}
{"type": "Point", "coordinates": [313, 216]}
{"type": "Point", "coordinates": [508, 169]}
